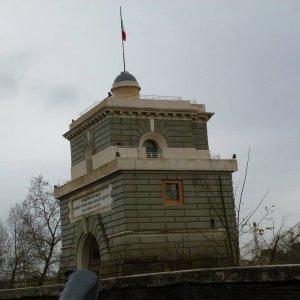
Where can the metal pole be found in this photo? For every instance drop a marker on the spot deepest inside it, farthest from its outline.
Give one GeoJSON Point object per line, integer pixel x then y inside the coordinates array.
{"type": "Point", "coordinates": [122, 38]}
{"type": "Point", "coordinates": [123, 54]}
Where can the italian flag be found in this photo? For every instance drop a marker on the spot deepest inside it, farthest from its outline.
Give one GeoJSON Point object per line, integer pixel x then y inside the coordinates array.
{"type": "Point", "coordinates": [122, 27]}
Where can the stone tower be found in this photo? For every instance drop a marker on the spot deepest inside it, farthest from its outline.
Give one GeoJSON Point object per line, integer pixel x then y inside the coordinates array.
{"type": "Point", "coordinates": [145, 195]}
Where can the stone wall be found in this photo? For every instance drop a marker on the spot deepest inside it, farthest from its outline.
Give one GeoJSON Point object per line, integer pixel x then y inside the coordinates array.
{"type": "Point", "coordinates": [145, 208]}
{"type": "Point", "coordinates": [261, 282]}
{"type": "Point", "coordinates": [183, 133]}
{"type": "Point", "coordinates": [248, 283]}
{"type": "Point", "coordinates": [170, 237]}
{"type": "Point", "coordinates": [78, 149]}
{"type": "Point", "coordinates": [99, 225]}
{"type": "Point", "coordinates": [127, 131]}
{"type": "Point", "coordinates": [143, 234]}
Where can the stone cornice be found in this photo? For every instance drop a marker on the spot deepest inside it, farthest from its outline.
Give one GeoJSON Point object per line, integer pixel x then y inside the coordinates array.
{"type": "Point", "coordinates": [125, 111]}
{"type": "Point", "coordinates": [146, 164]}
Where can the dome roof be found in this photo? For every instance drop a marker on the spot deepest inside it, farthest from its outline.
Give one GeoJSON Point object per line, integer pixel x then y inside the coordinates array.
{"type": "Point", "coordinates": [125, 76]}
{"type": "Point", "coordinates": [125, 84]}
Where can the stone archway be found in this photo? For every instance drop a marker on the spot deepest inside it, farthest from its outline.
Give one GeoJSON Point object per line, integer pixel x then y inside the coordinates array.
{"type": "Point", "coordinates": [154, 136]}
{"type": "Point", "coordinates": [88, 253]}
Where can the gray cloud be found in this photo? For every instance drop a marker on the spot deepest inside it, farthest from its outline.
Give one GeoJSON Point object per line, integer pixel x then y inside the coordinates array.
{"type": "Point", "coordinates": [8, 84]}
{"type": "Point", "coordinates": [62, 94]}
{"type": "Point", "coordinates": [239, 58]}
{"type": "Point", "coordinates": [13, 69]}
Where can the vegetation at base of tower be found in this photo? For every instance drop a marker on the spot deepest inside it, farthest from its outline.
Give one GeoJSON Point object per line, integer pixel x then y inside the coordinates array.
{"type": "Point", "coordinates": [260, 242]}
{"type": "Point", "coordinates": [33, 234]}
{"type": "Point", "coordinates": [273, 246]}
{"type": "Point", "coordinates": [252, 238]}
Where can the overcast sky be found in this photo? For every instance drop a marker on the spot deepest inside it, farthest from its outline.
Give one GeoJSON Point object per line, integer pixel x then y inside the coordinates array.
{"type": "Point", "coordinates": [240, 58]}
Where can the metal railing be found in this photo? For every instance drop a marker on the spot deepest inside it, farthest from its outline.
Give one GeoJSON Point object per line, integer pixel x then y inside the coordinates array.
{"type": "Point", "coordinates": [156, 97]}
{"type": "Point", "coordinates": [153, 155]}
{"type": "Point", "coordinates": [141, 97]}
{"type": "Point", "coordinates": [161, 155]}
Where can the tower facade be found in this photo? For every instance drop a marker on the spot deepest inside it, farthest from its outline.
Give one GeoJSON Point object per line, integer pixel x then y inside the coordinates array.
{"type": "Point", "coordinates": [145, 195]}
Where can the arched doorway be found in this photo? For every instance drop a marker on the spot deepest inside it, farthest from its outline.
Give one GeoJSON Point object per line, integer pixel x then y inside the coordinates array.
{"type": "Point", "coordinates": [88, 254]}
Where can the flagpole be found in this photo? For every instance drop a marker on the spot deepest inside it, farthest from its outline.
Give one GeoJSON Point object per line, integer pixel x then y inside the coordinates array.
{"type": "Point", "coordinates": [123, 54]}
{"type": "Point", "coordinates": [122, 38]}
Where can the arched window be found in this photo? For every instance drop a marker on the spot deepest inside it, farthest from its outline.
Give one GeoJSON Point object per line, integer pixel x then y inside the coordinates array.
{"type": "Point", "coordinates": [151, 149]}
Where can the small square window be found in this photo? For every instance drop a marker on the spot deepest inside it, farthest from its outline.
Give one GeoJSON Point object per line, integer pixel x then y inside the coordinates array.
{"type": "Point", "coordinates": [172, 192]}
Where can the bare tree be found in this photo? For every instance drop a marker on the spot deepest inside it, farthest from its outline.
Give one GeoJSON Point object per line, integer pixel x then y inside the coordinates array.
{"type": "Point", "coordinates": [41, 217]}
{"type": "Point", "coordinates": [239, 239]}
{"type": "Point", "coordinates": [220, 206]}
{"type": "Point", "coordinates": [291, 247]}
{"type": "Point", "coordinates": [277, 247]}
{"type": "Point", "coordinates": [21, 258]}
{"type": "Point", "coordinates": [30, 238]}
{"type": "Point", "coordinates": [3, 247]}
{"type": "Point", "coordinates": [253, 224]}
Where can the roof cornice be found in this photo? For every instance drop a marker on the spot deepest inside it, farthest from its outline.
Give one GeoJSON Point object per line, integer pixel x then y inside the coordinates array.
{"type": "Point", "coordinates": [127, 106]}
{"type": "Point", "coordinates": [130, 112]}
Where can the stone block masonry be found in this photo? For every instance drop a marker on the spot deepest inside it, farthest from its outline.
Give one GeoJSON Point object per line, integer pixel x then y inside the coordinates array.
{"type": "Point", "coordinates": [244, 283]}
{"type": "Point", "coordinates": [78, 148]}
{"type": "Point", "coordinates": [145, 195]}
{"type": "Point", "coordinates": [113, 131]}
{"type": "Point", "coordinates": [141, 233]}
{"type": "Point", "coordinates": [248, 283]}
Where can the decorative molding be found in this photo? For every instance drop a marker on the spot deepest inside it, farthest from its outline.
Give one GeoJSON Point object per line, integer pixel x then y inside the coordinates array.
{"type": "Point", "coordinates": [152, 123]}
{"type": "Point", "coordinates": [149, 165]}
{"type": "Point", "coordinates": [85, 225]}
{"type": "Point", "coordinates": [130, 112]}
{"type": "Point", "coordinates": [158, 138]}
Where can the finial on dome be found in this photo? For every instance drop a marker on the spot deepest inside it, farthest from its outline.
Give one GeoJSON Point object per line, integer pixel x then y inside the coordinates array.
{"type": "Point", "coordinates": [125, 84]}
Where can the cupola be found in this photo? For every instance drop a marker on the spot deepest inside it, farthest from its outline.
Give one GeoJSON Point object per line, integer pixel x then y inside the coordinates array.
{"type": "Point", "coordinates": [125, 84]}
